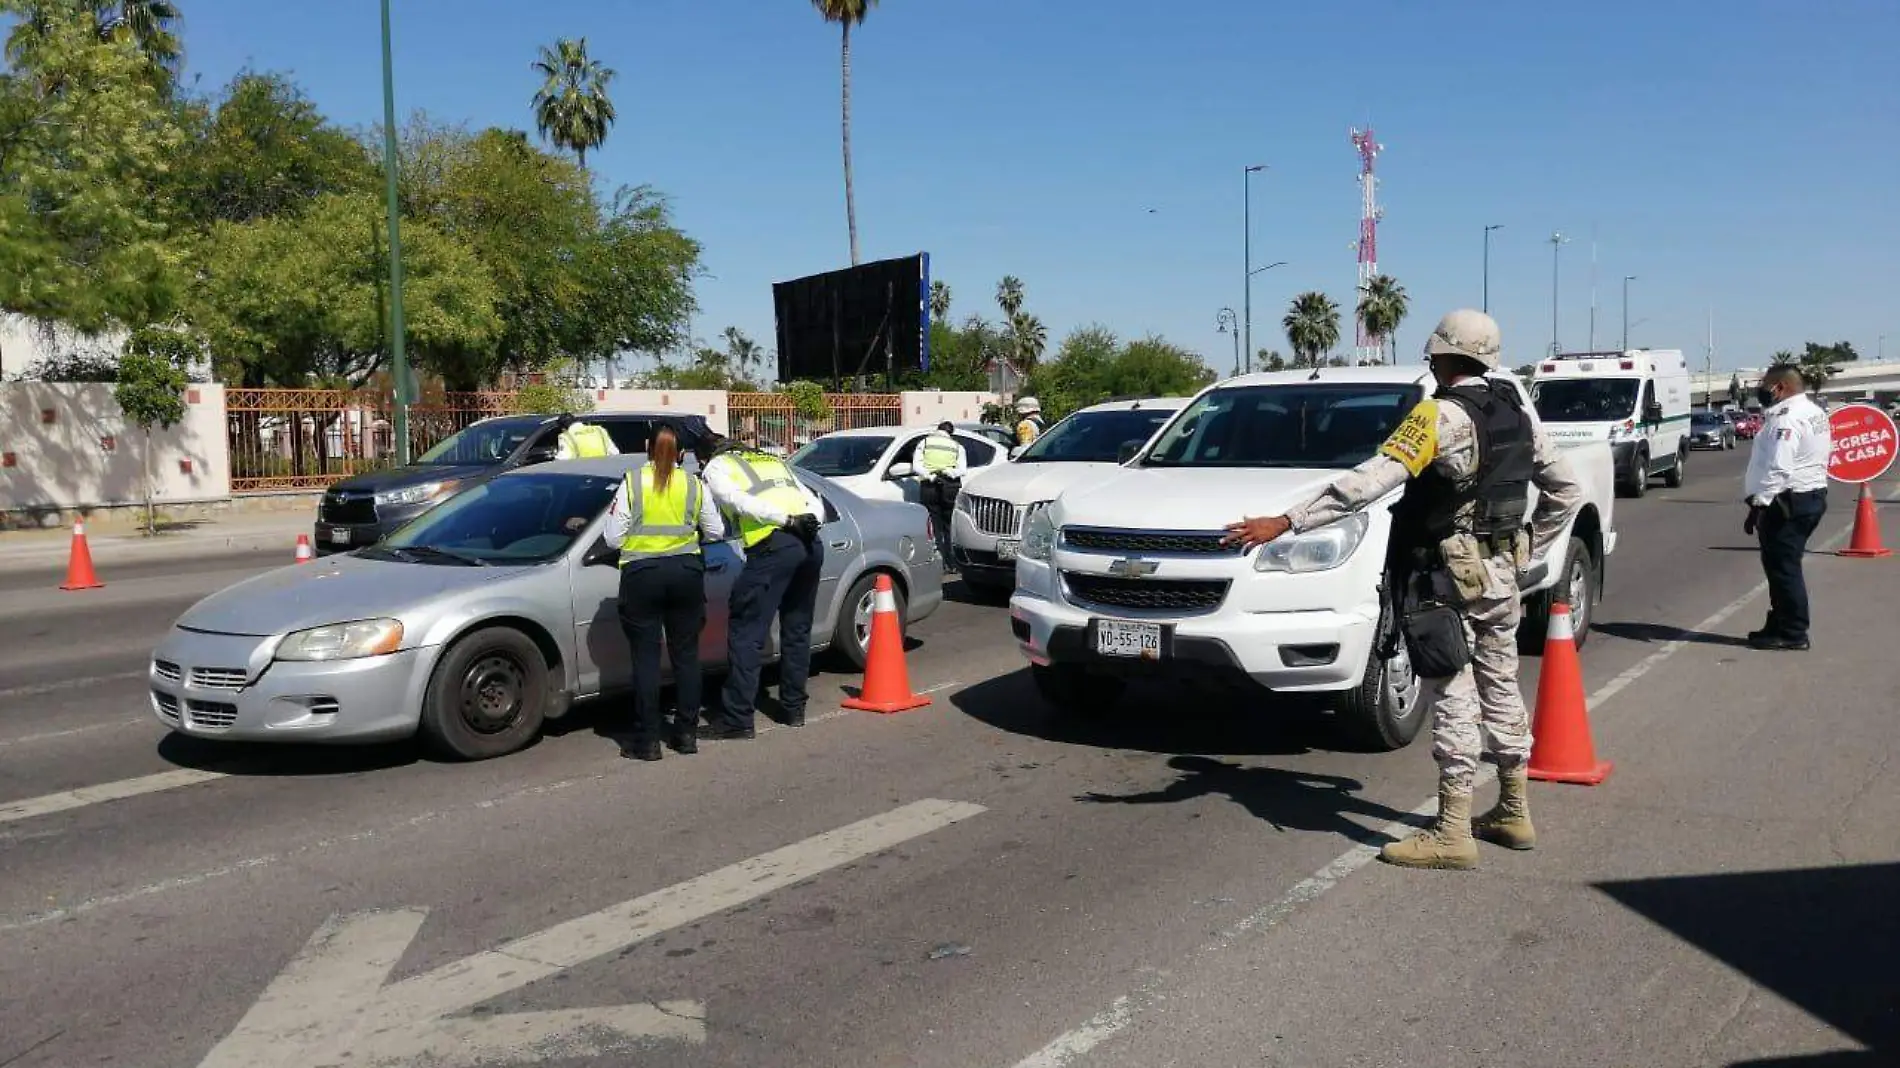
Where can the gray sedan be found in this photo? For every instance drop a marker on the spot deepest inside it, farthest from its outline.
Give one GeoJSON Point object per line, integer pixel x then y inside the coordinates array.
{"type": "Point", "coordinates": [485, 616]}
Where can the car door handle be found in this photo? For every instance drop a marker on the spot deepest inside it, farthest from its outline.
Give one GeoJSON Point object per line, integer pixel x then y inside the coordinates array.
{"type": "Point", "coordinates": [839, 545]}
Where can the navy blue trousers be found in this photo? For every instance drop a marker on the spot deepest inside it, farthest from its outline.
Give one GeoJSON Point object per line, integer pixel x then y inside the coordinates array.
{"type": "Point", "coordinates": [780, 579]}
{"type": "Point", "coordinates": [1784, 541]}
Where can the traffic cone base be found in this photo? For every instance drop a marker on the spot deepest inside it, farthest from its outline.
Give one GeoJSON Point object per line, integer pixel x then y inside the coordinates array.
{"type": "Point", "coordinates": [886, 678]}
{"type": "Point", "coordinates": [79, 573]}
{"type": "Point", "coordinates": [1561, 749]}
{"type": "Point", "coordinates": [1865, 543]}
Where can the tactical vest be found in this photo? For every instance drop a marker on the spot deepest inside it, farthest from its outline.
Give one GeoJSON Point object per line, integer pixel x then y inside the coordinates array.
{"type": "Point", "coordinates": [1029, 429]}
{"type": "Point", "coordinates": [1490, 504]}
{"type": "Point", "coordinates": [938, 452]}
{"type": "Point", "coordinates": [768, 478]}
{"type": "Point", "coordinates": [585, 440]}
{"type": "Point", "coordinates": [663, 523]}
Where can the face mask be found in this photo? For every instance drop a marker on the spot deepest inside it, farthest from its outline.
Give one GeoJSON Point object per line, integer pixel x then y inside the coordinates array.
{"type": "Point", "coordinates": [1765, 395]}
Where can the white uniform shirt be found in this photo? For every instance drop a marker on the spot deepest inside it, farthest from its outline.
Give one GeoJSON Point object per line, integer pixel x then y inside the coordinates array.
{"type": "Point", "coordinates": [620, 514]}
{"type": "Point", "coordinates": [1790, 451]}
{"type": "Point", "coordinates": [956, 470]}
{"type": "Point", "coordinates": [731, 491]}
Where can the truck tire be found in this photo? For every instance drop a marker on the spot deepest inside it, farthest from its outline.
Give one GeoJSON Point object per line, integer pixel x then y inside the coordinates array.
{"type": "Point", "coordinates": [1673, 477]}
{"type": "Point", "coordinates": [487, 697]}
{"type": "Point", "coordinates": [1386, 709]}
{"type": "Point", "coordinates": [1072, 689]}
{"type": "Point", "coordinates": [1638, 483]}
{"type": "Point", "coordinates": [1578, 586]}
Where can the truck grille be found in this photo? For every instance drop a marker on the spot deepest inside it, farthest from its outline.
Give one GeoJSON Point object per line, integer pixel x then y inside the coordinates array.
{"type": "Point", "coordinates": [1185, 542]}
{"type": "Point", "coordinates": [998, 518]}
{"type": "Point", "coordinates": [210, 715]}
{"type": "Point", "coordinates": [347, 508]}
{"type": "Point", "coordinates": [231, 679]}
{"type": "Point", "coordinates": [1161, 595]}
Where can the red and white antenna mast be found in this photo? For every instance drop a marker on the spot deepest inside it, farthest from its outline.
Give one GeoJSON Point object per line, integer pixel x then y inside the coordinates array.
{"type": "Point", "coordinates": [1368, 244]}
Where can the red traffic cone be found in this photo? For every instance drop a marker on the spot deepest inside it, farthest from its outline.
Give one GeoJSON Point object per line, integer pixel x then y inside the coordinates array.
{"type": "Point", "coordinates": [1866, 540]}
{"type": "Point", "coordinates": [79, 574]}
{"type": "Point", "coordinates": [886, 678]}
{"type": "Point", "coordinates": [303, 548]}
{"type": "Point", "coordinates": [1561, 750]}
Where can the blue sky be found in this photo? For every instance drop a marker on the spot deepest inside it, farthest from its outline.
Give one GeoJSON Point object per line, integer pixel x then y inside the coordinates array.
{"type": "Point", "coordinates": [1737, 156]}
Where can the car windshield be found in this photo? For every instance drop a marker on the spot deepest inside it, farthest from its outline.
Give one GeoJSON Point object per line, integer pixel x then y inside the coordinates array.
{"type": "Point", "coordinates": [1704, 421]}
{"type": "Point", "coordinates": [1094, 437]}
{"type": "Point", "coordinates": [1584, 400]}
{"type": "Point", "coordinates": [841, 455]}
{"type": "Point", "coordinates": [1316, 425]}
{"type": "Point", "coordinates": [514, 519]}
{"type": "Point", "coordinates": [483, 443]}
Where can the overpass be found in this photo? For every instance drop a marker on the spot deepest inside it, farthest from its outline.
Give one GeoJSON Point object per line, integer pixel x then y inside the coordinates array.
{"type": "Point", "coordinates": [1872, 380]}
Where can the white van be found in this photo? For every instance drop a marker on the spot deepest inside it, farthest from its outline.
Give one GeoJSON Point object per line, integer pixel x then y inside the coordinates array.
{"type": "Point", "coordinates": [1637, 401]}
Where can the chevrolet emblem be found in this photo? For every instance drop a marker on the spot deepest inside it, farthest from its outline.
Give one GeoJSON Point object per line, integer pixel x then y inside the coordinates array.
{"type": "Point", "coordinates": [1133, 568]}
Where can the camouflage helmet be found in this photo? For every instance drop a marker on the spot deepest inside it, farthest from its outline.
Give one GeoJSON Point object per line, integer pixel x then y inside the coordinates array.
{"type": "Point", "coordinates": [1471, 334]}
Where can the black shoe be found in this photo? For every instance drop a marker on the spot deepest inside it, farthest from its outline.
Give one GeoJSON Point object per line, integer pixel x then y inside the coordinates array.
{"type": "Point", "coordinates": [792, 720]}
{"type": "Point", "coordinates": [642, 751]}
{"type": "Point", "coordinates": [711, 733]}
{"type": "Point", "coordinates": [1778, 643]}
{"type": "Point", "coordinates": [685, 741]}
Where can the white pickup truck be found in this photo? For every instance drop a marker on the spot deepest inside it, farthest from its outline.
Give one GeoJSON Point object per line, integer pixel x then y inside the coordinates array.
{"type": "Point", "coordinates": [1126, 575]}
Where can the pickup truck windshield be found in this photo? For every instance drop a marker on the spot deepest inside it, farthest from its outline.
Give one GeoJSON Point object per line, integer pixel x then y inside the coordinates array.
{"type": "Point", "coordinates": [1584, 400]}
{"type": "Point", "coordinates": [1318, 425]}
{"type": "Point", "coordinates": [1094, 437]}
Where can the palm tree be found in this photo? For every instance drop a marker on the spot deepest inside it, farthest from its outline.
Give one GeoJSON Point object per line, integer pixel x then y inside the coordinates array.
{"type": "Point", "coordinates": [1029, 339]}
{"type": "Point", "coordinates": [1009, 295]}
{"type": "Point", "coordinates": [847, 13]}
{"type": "Point", "coordinates": [572, 108]}
{"type": "Point", "coordinates": [1312, 327]}
{"type": "Point", "coordinates": [1382, 307]}
{"type": "Point", "coordinates": [149, 22]}
{"type": "Point", "coordinates": [940, 302]}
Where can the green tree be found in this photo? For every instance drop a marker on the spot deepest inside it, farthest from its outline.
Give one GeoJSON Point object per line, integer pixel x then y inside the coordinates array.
{"type": "Point", "coordinates": [150, 26]}
{"type": "Point", "coordinates": [149, 394]}
{"type": "Point", "coordinates": [939, 301]}
{"type": "Point", "coordinates": [1028, 339]}
{"type": "Point", "coordinates": [1312, 327]}
{"type": "Point", "coordinates": [1819, 363]}
{"type": "Point", "coordinates": [558, 389]}
{"type": "Point", "coordinates": [847, 13]}
{"type": "Point", "coordinates": [1009, 296]}
{"type": "Point", "coordinates": [638, 271]}
{"type": "Point", "coordinates": [746, 357]}
{"type": "Point", "coordinates": [572, 108]}
{"type": "Point", "coordinates": [1382, 307]}
{"type": "Point", "coordinates": [1270, 360]}
{"type": "Point", "coordinates": [1735, 388]}
{"type": "Point", "coordinates": [261, 148]}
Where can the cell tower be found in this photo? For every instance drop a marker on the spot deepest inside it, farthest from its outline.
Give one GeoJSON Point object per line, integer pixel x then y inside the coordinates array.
{"type": "Point", "coordinates": [1368, 244]}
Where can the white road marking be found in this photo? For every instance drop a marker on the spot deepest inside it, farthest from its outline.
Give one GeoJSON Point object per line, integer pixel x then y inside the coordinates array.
{"type": "Point", "coordinates": [69, 684]}
{"type": "Point", "coordinates": [11, 811]}
{"type": "Point", "coordinates": [1071, 1045]}
{"type": "Point", "coordinates": [117, 724]}
{"type": "Point", "coordinates": [333, 1002]}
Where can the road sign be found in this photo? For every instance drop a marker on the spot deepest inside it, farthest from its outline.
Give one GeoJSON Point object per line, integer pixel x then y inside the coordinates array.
{"type": "Point", "coordinates": [334, 1004]}
{"type": "Point", "coordinates": [1864, 443]}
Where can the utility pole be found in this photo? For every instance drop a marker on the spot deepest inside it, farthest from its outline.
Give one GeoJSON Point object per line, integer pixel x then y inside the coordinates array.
{"type": "Point", "coordinates": [1225, 321]}
{"type": "Point", "coordinates": [1557, 242]}
{"type": "Point", "coordinates": [399, 361]}
{"type": "Point", "coordinates": [1486, 306]}
{"type": "Point", "coordinates": [1593, 287]}
{"type": "Point", "coordinates": [1246, 300]}
{"type": "Point", "coordinates": [1627, 279]}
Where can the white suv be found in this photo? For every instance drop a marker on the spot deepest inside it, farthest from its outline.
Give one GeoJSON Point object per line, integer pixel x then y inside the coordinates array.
{"type": "Point", "coordinates": [1083, 447]}
{"type": "Point", "coordinates": [1126, 575]}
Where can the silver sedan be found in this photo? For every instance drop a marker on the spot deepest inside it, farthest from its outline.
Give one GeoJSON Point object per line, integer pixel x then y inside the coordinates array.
{"type": "Point", "coordinates": [484, 617]}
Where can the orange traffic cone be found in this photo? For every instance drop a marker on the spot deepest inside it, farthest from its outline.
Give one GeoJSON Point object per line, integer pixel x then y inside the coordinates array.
{"type": "Point", "coordinates": [886, 678]}
{"type": "Point", "coordinates": [1866, 540]}
{"type": "Point", "coordinates": [79, 575]}
{"type": "Point", "coordinates": [1561, 750]}
{"type": "Point", "coordinates": [303, 548]}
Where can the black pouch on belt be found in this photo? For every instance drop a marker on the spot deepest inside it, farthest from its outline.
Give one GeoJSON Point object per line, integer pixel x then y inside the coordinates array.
{"type": "Point", "coordinates": [1434, 635]}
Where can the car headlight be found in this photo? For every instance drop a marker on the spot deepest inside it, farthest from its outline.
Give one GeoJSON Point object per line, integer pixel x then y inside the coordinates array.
{"type": "Point", "coordinates": [342, 641]}
{"type": "Point", "coordinates": [1316, 550]}
{"type": "Point", "coordinates": [1039, 535]}
{"type": "Point", "coordinates": [428, 491]}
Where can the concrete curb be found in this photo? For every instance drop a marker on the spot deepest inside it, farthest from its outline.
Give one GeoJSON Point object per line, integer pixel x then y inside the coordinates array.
{"type": "Point", "coordinates": [37, 550]}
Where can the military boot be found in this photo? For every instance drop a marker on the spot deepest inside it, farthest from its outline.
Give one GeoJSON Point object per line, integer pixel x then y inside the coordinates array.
{"type": "Point", "coordinates": [1509, 822]}
{"type": "Point", "coordinates": [1447, 843]}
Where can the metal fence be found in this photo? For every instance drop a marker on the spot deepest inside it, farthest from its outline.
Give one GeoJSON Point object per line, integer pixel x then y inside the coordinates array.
{"type": "Point", "coordinates": [297, 439]}
{"type": "Point", "coordinates": [774, 418]}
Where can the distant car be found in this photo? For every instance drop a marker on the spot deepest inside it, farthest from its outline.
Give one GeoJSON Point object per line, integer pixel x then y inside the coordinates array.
{"type": "Point", "coordinates": [486, 616]}
{"type": "Point", "coordinates": [1747, 425]}
{"type": "Point", "coordinates": [1709, 430]}
{"type": "Point", "coordinates": [876, 462]}
{"type": "Point", "coordinates": [361, 509]}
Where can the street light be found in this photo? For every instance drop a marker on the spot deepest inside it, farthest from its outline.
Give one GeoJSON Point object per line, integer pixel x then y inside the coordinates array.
{"type": "Point", "coordinates": [1627, 279]}
{"type": "Point", "coordinates": [399, 361]}
{"type": "Point", "coordinates": [1486, 307]}
{"type": "Point", "coordinates": [1246, 300]}
{"type": "Point", "coordinates": [1225, 321]}
{"type": "Point", "coordinates": [1557, 242]}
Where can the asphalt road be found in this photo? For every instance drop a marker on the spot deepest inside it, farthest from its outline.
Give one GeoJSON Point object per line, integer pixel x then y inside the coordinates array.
{"type": "Point", "coordinates": [979, 883]}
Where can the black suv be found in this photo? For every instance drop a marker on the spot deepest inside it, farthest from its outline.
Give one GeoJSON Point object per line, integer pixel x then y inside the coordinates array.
{"type": "Point", "coordinates": [359, 510]}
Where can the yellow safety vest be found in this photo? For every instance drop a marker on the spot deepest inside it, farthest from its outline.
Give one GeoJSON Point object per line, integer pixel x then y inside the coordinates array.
{"type": "Point", "coordinates": [586, 441]}
{"type": "Point", "coordinates": [768, 478]}
{"type": "Point", "coordinates": [938, 452]}
{"type": "Point", "coordinates": [663, 523]}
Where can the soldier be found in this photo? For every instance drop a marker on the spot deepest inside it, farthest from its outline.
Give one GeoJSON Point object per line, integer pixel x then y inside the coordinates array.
{"type": "Point", "coordinates": [1029, 421]}
{"type": "Point", "coordinates": [1466, 457]}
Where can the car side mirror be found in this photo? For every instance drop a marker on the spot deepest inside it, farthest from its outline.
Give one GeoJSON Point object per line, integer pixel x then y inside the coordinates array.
{"type": "Point", "coordinates": [1653, 414]}
{"type": "Point", "coordinates": [900, 471]}
{"type": "Point", "coordinates": [1127, 451]}
{"type": "Point", "coordinates": [601, 554]}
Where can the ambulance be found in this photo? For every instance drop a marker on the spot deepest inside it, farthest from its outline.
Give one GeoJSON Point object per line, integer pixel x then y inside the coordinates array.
{"type": "Point", "coordinates": [1637, 401]}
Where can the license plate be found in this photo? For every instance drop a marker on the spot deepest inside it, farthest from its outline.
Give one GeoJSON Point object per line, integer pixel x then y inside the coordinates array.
{"type": "Point", "coordinates": [1006, 549]}
{"type": "Point", "coordinates": [1114, 637]}
{"type": "Point", "coordinates": [339, 535]}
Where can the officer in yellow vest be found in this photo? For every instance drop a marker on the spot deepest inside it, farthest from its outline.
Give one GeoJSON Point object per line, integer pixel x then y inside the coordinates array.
{"type": "Point", "coordinates": [941, 465]}
{"type": "Point", "coordinates": [658, 517]}
{"type": "Point", "coordinates": [777, 519]}
{"type": "Point", "coordinates": [579, 441]}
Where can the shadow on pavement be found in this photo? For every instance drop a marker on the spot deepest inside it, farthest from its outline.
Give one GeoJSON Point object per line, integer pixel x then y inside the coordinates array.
{"type": "Point", "coordinates": [1662, 632]}
{"type": "Point", "coordinates": [1823, 939]}
{"type": "Point", "coordinates": [1289, 800]}
{"type": "Point", "coordinates": [258, 759]}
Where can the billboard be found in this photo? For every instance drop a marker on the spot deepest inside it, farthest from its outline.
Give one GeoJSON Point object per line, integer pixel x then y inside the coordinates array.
{"type": "Point", "coordinates": [865, 320]}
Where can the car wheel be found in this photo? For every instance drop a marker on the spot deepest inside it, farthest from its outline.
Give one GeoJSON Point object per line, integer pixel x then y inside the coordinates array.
{"type": "Point", "coordinates": [1673, 478]}
{"type": "Point", "coordinates": [851, 636]}
{"type": "Point", "coordinates": [1638, 483]}
{"type": "Point", "coordinates": [1579, 590]}
{"type": "Point", "coordinates": [1072, 689]}
{"type": "Point", "coordinates": [487, 697]}
{"type": "Point", "coordinates": [1384, 711]}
